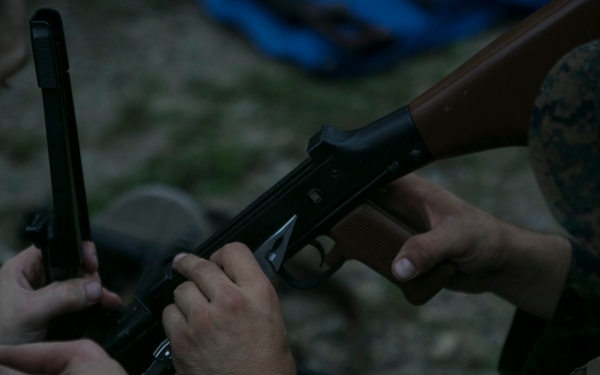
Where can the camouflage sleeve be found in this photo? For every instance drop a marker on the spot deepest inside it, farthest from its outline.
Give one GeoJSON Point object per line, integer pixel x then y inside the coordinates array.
{"type": "Point", "coordinates": [571, 338]}
{"type": "Point", "coordinates": [565, 154]}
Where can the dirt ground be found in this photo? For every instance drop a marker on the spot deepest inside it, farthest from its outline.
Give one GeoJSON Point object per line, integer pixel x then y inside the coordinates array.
{"type": "Point", "coordinates": [355, 324]}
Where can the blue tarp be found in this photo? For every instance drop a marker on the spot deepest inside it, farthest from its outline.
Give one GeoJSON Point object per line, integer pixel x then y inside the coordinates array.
{"type": "Point", "coordinates": [414, 26]}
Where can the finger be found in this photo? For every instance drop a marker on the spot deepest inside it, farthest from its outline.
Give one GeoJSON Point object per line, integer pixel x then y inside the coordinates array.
{"type": "Point", "coordinates": [239, 264]}
{"type": "Point", "coordinates": [403, 199]}
{"type": "Point", "coordinates": [90, 257]}
{"type": "Point", "coordinates": [187, 296]}
{"type": "Point", "coordinates": [27, 268]}
{"type": "Point", "coordinates": [89, 263]}
{"type": "Point", "coordinates": [63, 297]}
{"type": "Point", "coordinates": [422, 252]}
{"type": "Point", "coordinates": [40, 358]}
{"type": "Point", "coordinates": [207, 275]}
{"type": "Point", "coordinates": [110, 300]}
{"type": "Point", "coordinates": [411, 198]}
{"type": "Point", "coordinates": [173, 321]}
{"type": "Point", "coordinates": [59, 358]}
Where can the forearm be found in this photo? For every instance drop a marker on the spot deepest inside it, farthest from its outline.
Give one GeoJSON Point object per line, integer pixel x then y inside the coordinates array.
{"type": "Point", "coordinates": [535, 270]}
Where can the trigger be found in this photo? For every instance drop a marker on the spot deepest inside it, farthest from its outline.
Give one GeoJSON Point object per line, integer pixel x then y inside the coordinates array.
{"type": "Point", "coordinates": [298, 283]}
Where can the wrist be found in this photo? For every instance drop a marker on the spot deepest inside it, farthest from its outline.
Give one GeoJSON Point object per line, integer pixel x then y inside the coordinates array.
{"type": "Point", "coordinates": [534, 271]}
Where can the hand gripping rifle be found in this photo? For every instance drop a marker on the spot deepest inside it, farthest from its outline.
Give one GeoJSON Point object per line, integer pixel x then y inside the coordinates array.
{"type": "Point", "coordinates": [486, 103]}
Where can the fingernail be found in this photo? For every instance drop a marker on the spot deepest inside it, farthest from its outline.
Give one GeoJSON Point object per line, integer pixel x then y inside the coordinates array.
{"type": "Point", "coordinates": [403, 269]}
{"type": "Point", "coordinates": [178, 256]}
{"type": "Point", "coordinates": [93, 291]}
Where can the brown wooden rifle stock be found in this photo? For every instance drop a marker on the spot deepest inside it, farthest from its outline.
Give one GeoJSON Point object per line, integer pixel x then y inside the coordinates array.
{"type": "Point", "coordinates": [486, 103]}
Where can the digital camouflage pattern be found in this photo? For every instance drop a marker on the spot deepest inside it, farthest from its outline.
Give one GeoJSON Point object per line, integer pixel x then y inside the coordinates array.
{"type": "Point", "coordinates": [565, 143]}
{"type": "Point", "coordinates": [565, 155]}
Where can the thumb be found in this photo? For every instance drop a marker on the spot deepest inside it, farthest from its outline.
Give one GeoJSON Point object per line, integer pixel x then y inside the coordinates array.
{"type": "Point", "coordinates": [63, 297]}
{"type": "Point", "coordinates": [419, 254]}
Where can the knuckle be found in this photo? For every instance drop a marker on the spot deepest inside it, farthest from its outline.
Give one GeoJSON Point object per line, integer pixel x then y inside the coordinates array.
{"type": "Point", "coordinates": [195, 266]}
{"type": "Point", "coordinates": [68, 295]}
{"type": "Point", "coordinates": [168, 312]}
{"type": "Point", "coordinates": [227, 251]}
{"type": "Point", "coordinates": [231, 299]}
{"type": "Point", "coordinates": [270, 297]}
{"type": "Point", "coordinates": [421, 251]}
{"type": "Point", "coordinates": [170, 315]}
{"type": "Point", "coordinates": [86, 345]}
{"type": "Point", "coordinates": [176, 328]}
{"type": "Point", "coordinates": [200, 322]}
{"type": "Point", "coordinates": [183, 289]}
{"type": "Point", "coordinates": [265, 291]}
{"type": "Point", "coordinates": [234, 247]}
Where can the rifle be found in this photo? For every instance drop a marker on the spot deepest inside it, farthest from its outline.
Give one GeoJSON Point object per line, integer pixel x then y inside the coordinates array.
{"type": "Point", "coordinates": [486, 103]}
{"type": "Point", "coordinates": [59, 233]}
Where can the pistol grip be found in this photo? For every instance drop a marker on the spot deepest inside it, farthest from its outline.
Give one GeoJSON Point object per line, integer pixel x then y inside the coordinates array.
{"type": "Point", "coordinates": [374, 237]}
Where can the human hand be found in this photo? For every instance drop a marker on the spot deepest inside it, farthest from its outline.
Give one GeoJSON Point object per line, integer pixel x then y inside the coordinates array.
{"type": "Point", "coordinates": [226, 319]}
{"type": "Point", "coordinates": [26, 305]}
{"type": "Point", "coordinates": [522, 266]}
{"type": "Point", "coordinates": [59, 358]}
{"type": "Point", "coordinates": [447, 229]}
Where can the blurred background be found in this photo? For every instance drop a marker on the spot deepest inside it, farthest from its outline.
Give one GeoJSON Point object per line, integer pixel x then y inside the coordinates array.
{"type": "Point", "coordinates": [164, 93]}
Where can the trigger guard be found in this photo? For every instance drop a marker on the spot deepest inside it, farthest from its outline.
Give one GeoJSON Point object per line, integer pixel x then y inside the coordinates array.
{"type": "Point", "coordinates": [319, 247]}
